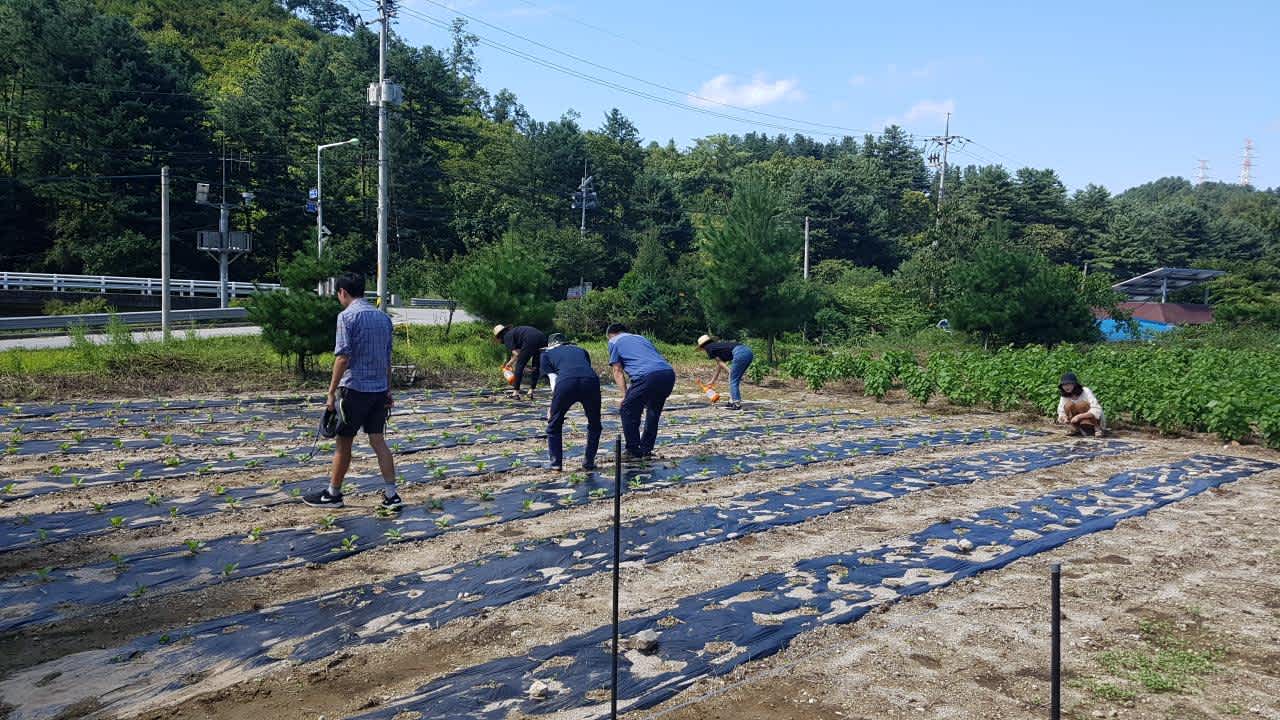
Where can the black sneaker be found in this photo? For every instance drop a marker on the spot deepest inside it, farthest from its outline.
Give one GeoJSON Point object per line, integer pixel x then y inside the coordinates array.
{"type": "Point", "coordinates": [323, 499]}
{"type": "Point", "coordinates": [630, 457]}
{"type": "Point", "coordinates": [393, 503]}
{"type": "Point", "coordinates": [588, 467]}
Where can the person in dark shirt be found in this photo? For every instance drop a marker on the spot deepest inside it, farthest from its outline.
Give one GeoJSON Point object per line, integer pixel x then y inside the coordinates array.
{"type": "Point", "coordinates": [568, 367]}
{"type": "Point", "coordinates": [731, 358]}
{"type": "Point", "coordinates": [525, 344]}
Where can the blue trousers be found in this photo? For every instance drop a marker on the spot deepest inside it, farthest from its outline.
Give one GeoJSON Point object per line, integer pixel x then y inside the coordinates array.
{"type": "Point", "coordinates": [742, 358]}
{"type": "Point", "coordinates": [569, 392]}
{"type": "Point", "coordinates": [646, 395]}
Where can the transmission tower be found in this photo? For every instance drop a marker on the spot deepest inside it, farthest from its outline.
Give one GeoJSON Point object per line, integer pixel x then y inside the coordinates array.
{"type": "Point", "coordinates": [1202, 172]}
{"type": "Point", "coordinates": [1246, 163]}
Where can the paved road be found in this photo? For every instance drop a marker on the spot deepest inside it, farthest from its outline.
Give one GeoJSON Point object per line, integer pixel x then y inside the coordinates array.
{"type": "Point", "coordinates": [410, 316]}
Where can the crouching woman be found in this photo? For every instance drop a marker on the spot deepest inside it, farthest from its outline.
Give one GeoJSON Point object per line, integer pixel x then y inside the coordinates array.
{"type": "Point", "coordinates": [1079, 408]}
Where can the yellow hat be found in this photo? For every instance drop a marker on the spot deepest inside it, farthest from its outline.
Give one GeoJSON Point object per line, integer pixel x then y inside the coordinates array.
{"type": "Point", "coordinates": [703, 340]}
{"type": "Point", "coordinates": [497, 330]}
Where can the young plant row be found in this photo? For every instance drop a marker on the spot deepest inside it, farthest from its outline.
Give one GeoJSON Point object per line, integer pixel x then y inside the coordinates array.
{"type": "Point", "coordinates": [1232, 393]}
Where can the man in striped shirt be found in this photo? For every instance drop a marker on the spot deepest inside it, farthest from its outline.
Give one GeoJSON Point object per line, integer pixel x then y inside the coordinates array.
{"type": "Point", "coordinates": [359, 391]}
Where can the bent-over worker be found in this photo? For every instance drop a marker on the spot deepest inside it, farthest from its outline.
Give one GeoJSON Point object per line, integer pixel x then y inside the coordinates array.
{"type": "Point", "coordinates": [525, 344]}
{"type": "Point", "coordinates": [733, 359]}
{"type": "Point", "coordinates": [646, 380]}
{"type": "Point", "coordinates": [568, 367]}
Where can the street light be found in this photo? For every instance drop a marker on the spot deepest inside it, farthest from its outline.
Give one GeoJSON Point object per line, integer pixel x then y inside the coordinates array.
{"type": "Point", "coordinates": [320, 231]}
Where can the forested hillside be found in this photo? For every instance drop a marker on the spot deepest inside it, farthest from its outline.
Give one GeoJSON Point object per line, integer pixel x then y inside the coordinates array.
{"type": "Point", "coordinates": [96, 92]}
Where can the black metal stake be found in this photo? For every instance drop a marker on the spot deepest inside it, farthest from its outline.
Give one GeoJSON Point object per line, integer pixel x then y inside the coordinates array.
{"type": "Point", "coordinates": [1055, 652]}
{"type": "Point", "coordinates": [617, 566]}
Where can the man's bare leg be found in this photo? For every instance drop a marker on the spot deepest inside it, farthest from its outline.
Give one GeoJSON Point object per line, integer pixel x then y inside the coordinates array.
{"type": "Point", "coordinates": [341, 463]}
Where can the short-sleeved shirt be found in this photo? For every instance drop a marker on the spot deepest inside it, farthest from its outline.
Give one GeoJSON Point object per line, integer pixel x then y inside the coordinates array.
{"type": "Point", "coordinates": [722, 350]}
{"type": "Point", "coordinates": [637, 355]}
{"type": "Point", "coordinates": [524, 338]}
{"type": "Point", "coordinates": [567, 361]}
{"type": "Point", "coordinates": [364, 336]}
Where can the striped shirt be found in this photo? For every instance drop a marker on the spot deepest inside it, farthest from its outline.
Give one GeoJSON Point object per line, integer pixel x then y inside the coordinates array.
{"type": "Point", "coordinates": [364, 336]}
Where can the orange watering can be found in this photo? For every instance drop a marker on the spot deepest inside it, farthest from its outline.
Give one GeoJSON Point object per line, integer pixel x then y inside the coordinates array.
{"type": "Point", "coordinates": [509, 374]}
{"type": "Point", "coordinates": [711, 393]}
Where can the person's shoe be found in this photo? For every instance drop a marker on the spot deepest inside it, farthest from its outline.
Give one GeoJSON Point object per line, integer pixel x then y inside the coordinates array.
{"type": "Point", "coordinates": [588, 467]}
{"type": "Point", "coordinates": [1074, 432]}
{"type": "Point", "coordinates": [555, 468]}
{"type": "Point", "coordinates": [323, 498]}
{"type": "Point", "coordinates": [393, 503]}
{"type": "Point", "coordinates": [630, 457]}
{"type": "Point", "coordinates": [733, 405]}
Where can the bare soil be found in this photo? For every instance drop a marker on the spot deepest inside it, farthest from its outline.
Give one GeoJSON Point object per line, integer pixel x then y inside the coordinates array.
{"type": "Point", "coordinates": [1202, 572]}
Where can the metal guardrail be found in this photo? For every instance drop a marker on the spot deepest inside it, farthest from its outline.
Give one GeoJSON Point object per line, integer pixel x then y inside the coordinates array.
{"type": "Point", "coordinates": [112, 283]}
{"type": "Point", "coordinates": [433, 303]}
{"type": "Point", "coordinates": [97, 320]}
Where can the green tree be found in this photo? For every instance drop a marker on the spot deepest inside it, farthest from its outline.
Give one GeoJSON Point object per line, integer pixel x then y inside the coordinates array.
{"type": "Point", "coordinates": [751, 281]}
{"type": "Point", "coordinates": [296, 322]}
{"type": "Point", "coordinates": [1016, 296]}
{"type": "Point", "coordinates": [503, 284]}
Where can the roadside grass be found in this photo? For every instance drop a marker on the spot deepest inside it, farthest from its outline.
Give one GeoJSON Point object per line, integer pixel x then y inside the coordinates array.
{"type": "Point", "coordinates": [122, 366]}
{"type": "Point", "coordinates": [1168, 657]}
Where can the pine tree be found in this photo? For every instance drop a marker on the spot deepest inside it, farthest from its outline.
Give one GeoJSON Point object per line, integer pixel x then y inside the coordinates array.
{"type": "Point", "coordinates": [504, 284]}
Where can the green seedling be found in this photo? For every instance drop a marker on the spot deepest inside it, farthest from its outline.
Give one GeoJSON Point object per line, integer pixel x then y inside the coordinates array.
{"type": "Point", "coordinates": [438, 473]}
{"type": "Point", "coordinates": [233, 503]}
{"type": "Point", "coordinates": [394, 535]}
{"type": "Point", "coordinates": [480, 466]}
{"type": "Point", "coordinates": [64, 446]}
{"type": "Point", "coordinates": [281, 453]}
{"type": "Point", "coordinates": [118, 561]}
{"type": "Point", "coordinates": [56, 470]}
{"type": "Point", "coordinates": [231, 455]}
{"type": "Point", "coordinates": [137, 474]}
{"type": "Point", "coordinates": [527, 505]}
{"type": "Point", "coordinates": [567, 501]}
{"type": "Point", "coordinates": [98, 507]}
{"type": "Point", "coordinates": [435, 503]}
{"type": "Point", "coordinates": [168, 440]}
{"type": "Point", "coordinates": [576, 478]}
{"type": "Point", "coordinates": [253, 464]}
{"type": "Point", "coordinates": [172, 462]}
{"type": "Point", "coordinates": [193, 547]}
{"type": "Point", "coordinates": [634, 484]}
{"type": "Point", "coordinates": [484, 494]}
{"type": "Point", "coordinates": [165, 639]}
{"type": "Point", "coordinates": [442, 523]}
{"type": "Point", "coordinates": [44, 574]}
{"type": "Point", "coordinates": [153, 499]}
{"type": "Point", "coordinates": [328, 522]}
{"type": "Point", "coordinates": [219, 489]}
{"type": "Point", "coordinates": [348, 544]}
{"type": "Point", "coordinates": [9, 488]}
{"type": "Point", "coordinates": [229, 568]}
{"type": "Point", "coordinates": [120, 466]}
{"type": "Point", "coordinates": [42, 534]}
{"type": "Point", "coordinates": [118, 444]}
{"type": "Point", "coordinates": [296, 492]}
{"type": "Point", "coordinates": [77, 481]}
{"type": "Point", "coordinates": [174, 511]}
{"type": "Point", "coordinates": [117, 522]}
{"type": "Point", "coordinates": [598, 493]}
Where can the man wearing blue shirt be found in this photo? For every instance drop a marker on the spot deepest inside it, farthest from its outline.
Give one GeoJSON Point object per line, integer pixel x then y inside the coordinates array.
{"type": "Point", "coordinates": [359, 391]}
{"type": "Point", "coordinates": [573, 380]}
{"type": "Point", "coordinates": [646, 380]}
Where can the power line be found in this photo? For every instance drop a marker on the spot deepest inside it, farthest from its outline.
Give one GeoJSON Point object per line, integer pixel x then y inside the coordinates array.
{"type": "Point", "coordinates": [636, 78]}
{"type": "Point", "coordinates": [623, 88]}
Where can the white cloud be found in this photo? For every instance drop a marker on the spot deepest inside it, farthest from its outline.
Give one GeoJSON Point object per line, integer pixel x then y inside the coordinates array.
{"type": "Point", "coordinates": [858, 80]}
{"type": "Point", "coordinates": [924, 111]}
{"type": "Point", "coordinates": [727, 89]}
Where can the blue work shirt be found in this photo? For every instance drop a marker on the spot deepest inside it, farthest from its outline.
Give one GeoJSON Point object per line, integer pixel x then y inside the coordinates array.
{"type": "Point", "coordinates": [567, 361]}
{"type": "Point", "coordinates": [364, 337]}
{"type": "Point", "coordinates": [637, 355]}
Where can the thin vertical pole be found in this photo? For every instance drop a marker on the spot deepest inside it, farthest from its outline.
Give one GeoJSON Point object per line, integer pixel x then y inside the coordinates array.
{"type": "Point", "coordinates": [384, 178]}
{"type": "Point", "coordinates": [164, 252]}
{"type": "Point", "coordinates": [617, 567]}
{"type": "Point", "coordinates": [806, 247]}
{"type": "Point", "coordinates": [1055, 651]}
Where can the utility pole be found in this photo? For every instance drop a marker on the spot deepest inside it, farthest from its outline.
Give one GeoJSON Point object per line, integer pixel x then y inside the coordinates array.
{"type": "Point", "coordinates": [383, 94]}
{"type": "Point", "coordinates": [224, 243]}
{"type": "Point", "coordinates": [585, 198]}
{"type": "Point", "coordinates": [806, 247]}
{"type": "Point", "coordinates": [1246, 164]}
{"type": "Point", "coordinates": [940, 160]}
{"type": "Point", "coordinates": [164, 252]}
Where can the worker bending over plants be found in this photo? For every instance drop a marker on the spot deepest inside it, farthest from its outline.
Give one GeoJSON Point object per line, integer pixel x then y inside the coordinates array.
{"type": "Point", "coordinates": [724, 352]}
{"type": "Point", "coordinates": [1079, 408]}
{"type": "Point", "coordinates": [568, 368]}
{"type": "Point", "coordinates": [525, 343]}
{"type": "Point", "coordinates": [646, 380]}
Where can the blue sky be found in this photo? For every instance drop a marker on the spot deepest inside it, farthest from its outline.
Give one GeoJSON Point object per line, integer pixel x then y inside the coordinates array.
{"type": "Point", "coordinates": [1116, 93]}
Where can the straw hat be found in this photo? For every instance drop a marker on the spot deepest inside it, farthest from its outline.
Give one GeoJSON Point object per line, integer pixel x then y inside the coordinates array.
{"type": "Point", "coordinates": [497, 329]}
{"type": "Point", "coordinates": [703, 341]}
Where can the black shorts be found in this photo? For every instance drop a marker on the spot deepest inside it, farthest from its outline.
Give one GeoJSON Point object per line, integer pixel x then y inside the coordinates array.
{"type": "Point", "coordinates": [361, 411]}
